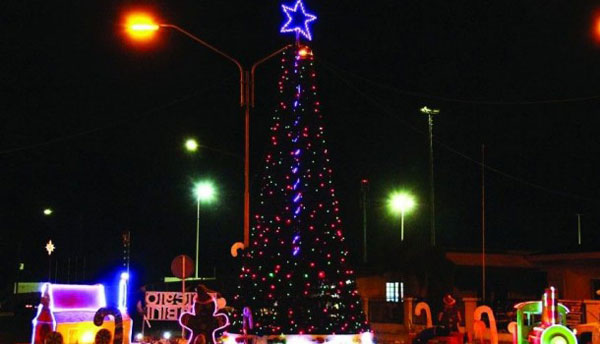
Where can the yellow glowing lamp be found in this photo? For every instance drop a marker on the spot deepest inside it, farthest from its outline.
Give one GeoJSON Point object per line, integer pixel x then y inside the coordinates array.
{"type": "Point", "coordinates": [87, 337]}
{"type": "Point", "coordinates": [304, 52]}
{"type": "Point", "coordinates": [141, 26]}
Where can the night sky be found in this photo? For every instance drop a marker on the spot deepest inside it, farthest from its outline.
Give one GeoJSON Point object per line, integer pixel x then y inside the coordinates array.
{"type": "Point", "coordinates": [93, 126]}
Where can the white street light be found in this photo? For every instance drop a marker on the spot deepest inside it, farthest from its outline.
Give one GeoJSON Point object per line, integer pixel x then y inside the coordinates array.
{"type": "Point", "coordinates": [191, 145]}
{"type": "Point", "coordinates": [400, 203]}
{"type": "Point", "coordinates": [205, 193]}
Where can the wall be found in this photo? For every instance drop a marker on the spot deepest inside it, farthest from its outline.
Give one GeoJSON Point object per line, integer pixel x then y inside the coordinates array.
{"type": "Point", "coordinates": [573, 282]}
{"type": "Point", "coordinates": [371, 287]}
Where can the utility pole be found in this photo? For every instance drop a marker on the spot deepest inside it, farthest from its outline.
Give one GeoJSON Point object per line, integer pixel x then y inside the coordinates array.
{"type": "Point", "coordinates": [578, 229]}
{"type": "Point", "coordinates": [364, 188]}
{"type": "Point", "coordinates": [430, 112]}
{"type": "Point", "coordinates": [483, 222]}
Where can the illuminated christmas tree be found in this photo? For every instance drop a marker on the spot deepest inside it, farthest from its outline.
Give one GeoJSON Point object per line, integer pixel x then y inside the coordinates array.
{"type": "Point", "coordinates": [295, 276]}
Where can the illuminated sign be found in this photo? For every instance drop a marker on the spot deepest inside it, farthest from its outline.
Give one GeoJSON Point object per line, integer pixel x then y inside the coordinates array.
{"type": "Point", "coordinates": [167, 306]}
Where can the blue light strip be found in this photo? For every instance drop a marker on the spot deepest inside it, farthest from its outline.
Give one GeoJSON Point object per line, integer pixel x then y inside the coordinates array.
{"type": "Point", "coordinates": [296, 153]}
{"type": "Point", "coordinates": [296, 246]}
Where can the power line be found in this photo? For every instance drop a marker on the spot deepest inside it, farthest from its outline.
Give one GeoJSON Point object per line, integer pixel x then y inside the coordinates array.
{"type": "Point", "coordinates": [390, 113]}
{"type": "Point", "coordinates": [145, 114]}
{"type": "Point", "coordinates": [461, 100]}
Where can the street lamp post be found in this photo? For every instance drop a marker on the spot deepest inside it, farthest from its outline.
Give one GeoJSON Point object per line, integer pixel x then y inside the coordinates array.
{"type": "Point", "coordinates": [364, 188]}
{"type": "Point", "coordinates": [50, 248]}
{"type": "Point", "coordinates": [430, 112]}
{"type": "Point", "coordinates": [144, 27]}
{"type": "Point", "coordinates": [401, 202]}
{"type": "Point", "coordinates": [205, 193]}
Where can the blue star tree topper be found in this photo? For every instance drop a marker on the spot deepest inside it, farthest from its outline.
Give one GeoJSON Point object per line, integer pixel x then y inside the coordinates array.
{"type": "Point", "coordinates": [297, 20]}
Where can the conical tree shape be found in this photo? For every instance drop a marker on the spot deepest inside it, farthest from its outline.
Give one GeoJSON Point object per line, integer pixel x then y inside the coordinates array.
{"type": "Point", "coordinates": [295, 276]}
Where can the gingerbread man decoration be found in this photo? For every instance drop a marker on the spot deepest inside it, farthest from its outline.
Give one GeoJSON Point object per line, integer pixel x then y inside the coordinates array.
{"type": "Point", "coordinates": [204, 321]}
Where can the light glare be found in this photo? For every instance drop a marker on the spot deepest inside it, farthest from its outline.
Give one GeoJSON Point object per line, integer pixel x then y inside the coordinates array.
{"type": "Point", "coordinates": [401, 202]}
{"type": "Point", "coordinates": [558, 340]}
{"type": "Point", "coordinates": [87, 337]}
{"type": "Point", "coordinates": [205, 192]}
{"type": "Point", "coordinates": [144, 27]}
{"type": "Point", "coordinates": [141, 26]}
{"type": "Point", "coordinates": [50, 247]}
{"type": "Point", "coordinates": [191, 145]}
{"type": "Point", "coordinates": [366, 338]}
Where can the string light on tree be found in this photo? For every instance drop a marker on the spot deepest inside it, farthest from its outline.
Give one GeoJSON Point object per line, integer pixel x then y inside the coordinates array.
{"type": "Point", "coordinates": [295, 274]}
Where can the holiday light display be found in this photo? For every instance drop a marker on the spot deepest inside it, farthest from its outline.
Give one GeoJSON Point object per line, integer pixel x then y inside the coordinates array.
{"type": "Point", "coordinates": [204, 321]}
{"type": "Point", "coordinates": [69, 309]}
{"type": "Point", "coordinates": [551, 329]}
{"type": "Point", "coordinates": [295, 276]}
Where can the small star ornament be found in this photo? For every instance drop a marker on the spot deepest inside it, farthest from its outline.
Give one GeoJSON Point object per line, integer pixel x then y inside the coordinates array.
{"type": "Point", "coordinates": [50, 247]}
{"type": "Point", "coordinates": [297, 20]}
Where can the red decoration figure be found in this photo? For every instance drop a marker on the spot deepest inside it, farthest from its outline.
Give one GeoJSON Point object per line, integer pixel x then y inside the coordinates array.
{"type": "Point", "coordinates": [449, 317]}
{"type": "Point", "coordinates": [54, 338]}
{"type": "Point", "coordinates": [43, 323]}
{"type": "Point", "coordinates": [204, 322]}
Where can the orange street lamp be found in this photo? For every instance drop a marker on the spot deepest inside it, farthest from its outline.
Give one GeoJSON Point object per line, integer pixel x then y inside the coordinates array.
{"type": "Point", "coordinates": [597, 28]}
{"type": "Point", "coordinates": [143, 27]}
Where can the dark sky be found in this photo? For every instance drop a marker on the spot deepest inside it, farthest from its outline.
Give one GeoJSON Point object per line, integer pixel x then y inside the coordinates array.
{"type": "Point", "coordinates": [93, 126]}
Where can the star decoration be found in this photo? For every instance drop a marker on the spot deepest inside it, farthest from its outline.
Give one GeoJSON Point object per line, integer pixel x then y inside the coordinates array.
{"type": "Point", "coordinates": [297, 21]}
{"type": "Point", "coordinates": [50, 247]}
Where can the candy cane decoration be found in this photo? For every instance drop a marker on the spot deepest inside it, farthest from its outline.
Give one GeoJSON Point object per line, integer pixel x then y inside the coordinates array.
{"type": "Point", "coordinates": [424, 307]}
{"type": "Point", "coordinates": [99, 320]}
{"type": "Point", "coordinates": [493, 329]}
